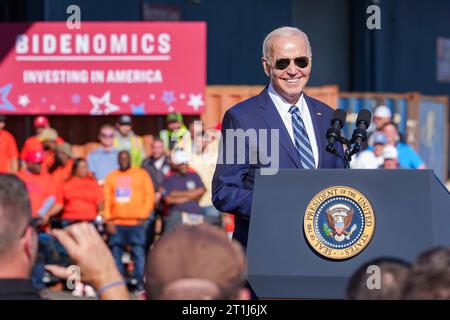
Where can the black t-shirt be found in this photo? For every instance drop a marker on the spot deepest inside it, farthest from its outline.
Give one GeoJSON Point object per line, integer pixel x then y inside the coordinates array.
{"type": "Point", "coordinates": [18, 289]}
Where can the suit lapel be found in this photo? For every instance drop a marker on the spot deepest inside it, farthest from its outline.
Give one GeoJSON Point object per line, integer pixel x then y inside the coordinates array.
{"type": "Point", "coordinates": [272, 118]}
{"type": "Point", "coordinates": [316, 116]}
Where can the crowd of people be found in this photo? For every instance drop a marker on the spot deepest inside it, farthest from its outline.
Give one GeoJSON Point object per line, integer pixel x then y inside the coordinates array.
{"type": "Point", "coordinates": [131, 198]}
{"type": "Point", "coordinates": [114, 203]}
{"type": "Point", "coordinates": [386, 146]}
{"type": "Point", "coordinates": [213, 267]}
{"type": "Point", "coordinates": [427, 278]}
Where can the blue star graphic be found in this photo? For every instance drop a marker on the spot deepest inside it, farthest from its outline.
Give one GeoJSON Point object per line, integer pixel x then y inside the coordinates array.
{"type": "Point", "coordinates": [4, 102]}
{"type": "Point", "coordinates": [138, 110]}
{"type": "Point", "coordinates": [168, 97]}
{"type": "Point", "coordinates": [76, 98]}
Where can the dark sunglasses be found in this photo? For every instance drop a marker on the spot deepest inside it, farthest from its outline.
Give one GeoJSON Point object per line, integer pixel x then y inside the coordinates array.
{"type": "Point", "coordinates": [107, 135]}
{"type": "Point", "coordinates": [283, 63]}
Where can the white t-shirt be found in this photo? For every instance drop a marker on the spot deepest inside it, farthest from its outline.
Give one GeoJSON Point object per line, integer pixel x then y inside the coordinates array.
{"type": "Point", "coordinates": [367, 160]}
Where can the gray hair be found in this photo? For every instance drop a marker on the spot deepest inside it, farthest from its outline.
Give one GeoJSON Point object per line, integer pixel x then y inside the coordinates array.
{"type": "Point", "coordinates": [15, 210]}
{"type": "Point", "coordinates": [283, 32]}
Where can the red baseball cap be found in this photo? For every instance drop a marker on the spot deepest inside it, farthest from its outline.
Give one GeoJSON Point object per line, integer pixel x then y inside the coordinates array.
{"type": "Point", "coordinates": [40, 122]}
{"type": "Point", "coordinates": [35, 156]}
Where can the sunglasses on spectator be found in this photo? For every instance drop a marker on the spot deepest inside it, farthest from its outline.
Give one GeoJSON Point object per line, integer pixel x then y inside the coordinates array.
{"type": "Point", "coordinates": [283, 63]}
{"type": "Point", "coordinates": [103, 135]}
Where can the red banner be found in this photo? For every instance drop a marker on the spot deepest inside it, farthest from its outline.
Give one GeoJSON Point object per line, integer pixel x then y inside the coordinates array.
{"type": "Point", "coordinates": [103, 68]}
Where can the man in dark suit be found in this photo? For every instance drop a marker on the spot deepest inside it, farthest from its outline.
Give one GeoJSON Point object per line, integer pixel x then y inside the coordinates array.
{"type": "Point", "coordinates": [295, 126]}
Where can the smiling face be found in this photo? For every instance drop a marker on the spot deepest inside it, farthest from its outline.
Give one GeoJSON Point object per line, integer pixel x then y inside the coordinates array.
{"type": "Point", "coordinates": [288, 83]}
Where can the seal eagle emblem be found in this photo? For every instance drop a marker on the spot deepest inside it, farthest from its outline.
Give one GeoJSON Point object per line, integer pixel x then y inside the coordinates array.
{"type": "Point", "coordinates": [339, 223]}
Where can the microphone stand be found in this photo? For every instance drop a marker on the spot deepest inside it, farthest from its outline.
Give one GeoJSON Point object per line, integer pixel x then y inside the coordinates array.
{"type": "Point", "coordinates": [354, 144]}
{"type": "Point", "coordinates": [348, 152]}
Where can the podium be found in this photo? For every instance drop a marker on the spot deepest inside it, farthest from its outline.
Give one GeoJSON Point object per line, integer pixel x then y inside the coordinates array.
{"type": "Point", "coordinates": [411, 211]}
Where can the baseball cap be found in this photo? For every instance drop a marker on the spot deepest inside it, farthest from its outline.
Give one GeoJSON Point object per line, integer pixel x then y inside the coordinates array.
{"type": "Point", "coordinates": [174, 117]}
{"type": "Point", "coordinates": [379, 138]}
{"type": "Point", "coordinates": [179, 156]}
{"type": "Point", "coordinates": [125, 119]}
{"type": "Point", "coordinates": [65, 147]}
{"type": "Point", "coordinates": [35, 156]}
{"type": "Point", "coordinates": [390, 152]}
{"type": "Point", "coordinates": [40, 122]}
{"type": "Point", "coordinates": [48, 134]}
{"type": "Point", "coordinates": [2, 118]}
{"type": "Point", "coordinates": [382, 112]}
{"type": "Point", "coordinates": [195, 252]}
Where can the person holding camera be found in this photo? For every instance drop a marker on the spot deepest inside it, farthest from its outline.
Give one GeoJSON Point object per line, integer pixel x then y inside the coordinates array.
{"type": "Point", "coordinates": [19, 249]}
{"type": "Point", "coordinates": [44, 205]}
{"type": "Point", "coordinates": [82, 198]}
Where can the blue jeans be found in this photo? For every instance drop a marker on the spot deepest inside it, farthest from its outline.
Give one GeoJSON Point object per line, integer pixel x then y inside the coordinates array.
{"type": "Point", "coordinates": [135, 237]}
{"type": "Point", "coordinates": [212, 215]}
{"type": "Point", "coordinates": [44, 257]}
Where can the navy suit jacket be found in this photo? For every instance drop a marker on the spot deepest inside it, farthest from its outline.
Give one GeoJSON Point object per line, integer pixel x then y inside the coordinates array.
{"type": "Point", "coordinates": [232, 186]}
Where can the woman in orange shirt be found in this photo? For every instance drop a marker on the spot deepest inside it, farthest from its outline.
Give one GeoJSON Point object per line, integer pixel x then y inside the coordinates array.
{"type": "Point", "coordinates": [81, 196]}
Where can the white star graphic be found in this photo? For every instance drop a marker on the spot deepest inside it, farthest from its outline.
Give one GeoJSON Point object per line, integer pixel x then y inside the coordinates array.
{"type": "Point", "coordinates": [104, 100]}
{"type": "Point", "coordinates": [23, 100]}
{"type": "Point", "coordinates": [195, 101]}
{"type": "Point", "coordinates": [125, 98]}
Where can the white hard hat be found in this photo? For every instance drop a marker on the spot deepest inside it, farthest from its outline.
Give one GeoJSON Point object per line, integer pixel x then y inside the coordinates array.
{"type": "Point", "coordinates": [179, 156]}
{"type": "Point", "coordinates": [382, 112]}
{"type": "Point", "coordinates": [390, 152]}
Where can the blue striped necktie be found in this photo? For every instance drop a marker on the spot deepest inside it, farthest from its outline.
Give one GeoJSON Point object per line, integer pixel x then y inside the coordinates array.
{"type": "Point", "coordinates": [302, 143]}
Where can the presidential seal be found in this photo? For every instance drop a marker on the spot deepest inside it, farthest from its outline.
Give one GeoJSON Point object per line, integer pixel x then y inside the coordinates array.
{"type": "Point", "coordinates": [339, 222]}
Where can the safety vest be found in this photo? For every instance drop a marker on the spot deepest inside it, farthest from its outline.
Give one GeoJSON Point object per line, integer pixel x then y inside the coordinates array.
{"type": "Point", "coordinates": [137, 145]}
{"type": "Point", "coordinates": [171, 138]}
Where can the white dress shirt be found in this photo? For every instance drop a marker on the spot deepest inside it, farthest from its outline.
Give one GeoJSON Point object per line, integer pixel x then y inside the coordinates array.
{"type": "Point", "coordinates": [283, 109]}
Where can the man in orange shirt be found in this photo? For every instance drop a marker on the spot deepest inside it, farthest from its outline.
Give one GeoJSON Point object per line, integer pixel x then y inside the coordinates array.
{"type": "Point", "coordinates": [35, 143]}
{"type": "Point", "coordinates": [44, 205]}
{"type": "Point", "coordinates": [129, 199]}
{"type": "Point", "coordinates": [40, 185]}
{"type": "Point", "coordinates": [8, 149]}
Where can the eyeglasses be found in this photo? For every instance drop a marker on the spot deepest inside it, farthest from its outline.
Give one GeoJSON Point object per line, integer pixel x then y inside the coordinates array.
{"type": "Point", "coordinates": [106, 135]}
{"type": "Point", "coordinates": [283, 63]}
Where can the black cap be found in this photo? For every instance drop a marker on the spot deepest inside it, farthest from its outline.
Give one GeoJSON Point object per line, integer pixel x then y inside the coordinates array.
{"type": "Point", "coordinates": [125, 119]}
{"type": "Point", "coordinates": [2, 118]}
